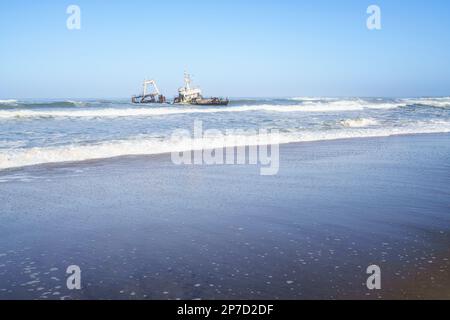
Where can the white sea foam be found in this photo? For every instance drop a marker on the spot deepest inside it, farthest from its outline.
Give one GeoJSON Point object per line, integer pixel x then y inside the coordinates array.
{"type": "Point", "coordinates": [349, 105]}
{"type": "Point", "coordinates": [344, 104]}
{"type": "Point", "coordinates": [115, 113]}
{"type": "Point", "coordinates": [76, 103]}
{"type": "Point", "coordinates": [150, 145]}
{"type": "Point", "coordinates": [313, 99]}
{"type": "Point", "coordinates": [358, 123]}
{"type": "Point", "coordinates": [443, 102]}
{"type": "Point", "coordinates": [8, 102]}
{"type": "Point", "coordinates": [161, 111]}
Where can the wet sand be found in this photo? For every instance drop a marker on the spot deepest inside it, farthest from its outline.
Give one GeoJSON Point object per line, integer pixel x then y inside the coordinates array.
{"type": "Point", "coordinates": [144, 228]}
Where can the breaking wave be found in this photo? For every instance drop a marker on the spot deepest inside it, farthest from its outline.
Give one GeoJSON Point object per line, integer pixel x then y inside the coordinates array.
{"type": "Point", "coordinates": [350, 105]}
{"type": "Point", "coordinates": [443, 102]}
{"type": "Point", "coordinates": [8, 102]}
{"type": "Point", "coordinates": [151, 145]}
{"type": "Point", "coordinates": [376, 103]}
{"type": "Point", "coordinates": [313, 99]}
{"type": "Point", "coordinates": [358, 123]}
{"type": "Point", "coordinates": [13, 109]}
{"type": "Point", "coordinates": [160, 111]}
{"type": "Point", "coordinates": [42, 104]}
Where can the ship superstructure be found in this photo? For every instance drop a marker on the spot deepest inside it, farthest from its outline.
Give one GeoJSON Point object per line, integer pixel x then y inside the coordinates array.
{"type": "Point", "coordinates": [154, 96]}
{"type": "Point", "coordinates": [187, 94]}
{"type": "Point", "coordinates": [193, 95]}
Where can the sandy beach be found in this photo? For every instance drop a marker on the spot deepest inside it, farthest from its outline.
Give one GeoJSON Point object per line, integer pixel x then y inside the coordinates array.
{"type": "Point", "coordinates": [142, 227]}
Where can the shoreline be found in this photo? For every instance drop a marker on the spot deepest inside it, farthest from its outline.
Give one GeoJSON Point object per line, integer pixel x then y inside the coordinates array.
{"type": "Point", "coordinates": [164, 154]}
{"type": "Point", "coordinates": [141, 227]}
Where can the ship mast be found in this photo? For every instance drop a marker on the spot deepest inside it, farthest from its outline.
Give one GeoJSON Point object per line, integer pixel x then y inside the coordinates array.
{"type": "Point", "coordinates": [187, 81]}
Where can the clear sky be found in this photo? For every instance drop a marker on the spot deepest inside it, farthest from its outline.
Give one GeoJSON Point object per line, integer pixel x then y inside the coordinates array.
{"type": "Point", "coordinates": [233, 48]}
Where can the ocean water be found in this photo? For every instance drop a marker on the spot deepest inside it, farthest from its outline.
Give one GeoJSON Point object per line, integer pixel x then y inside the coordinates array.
{"type": "Point", "coordinates": [49, 131]}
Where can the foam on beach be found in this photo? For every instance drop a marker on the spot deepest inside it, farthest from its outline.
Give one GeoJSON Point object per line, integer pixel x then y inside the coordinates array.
{"type": "Point", "coordinates": [150, 145]}
{"type": "Point", "coordinates": [46, 131]}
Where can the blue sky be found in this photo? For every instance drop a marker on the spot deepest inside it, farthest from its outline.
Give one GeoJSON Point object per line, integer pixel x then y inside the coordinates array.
{"type": "Point", "coordinates": [234, 48]}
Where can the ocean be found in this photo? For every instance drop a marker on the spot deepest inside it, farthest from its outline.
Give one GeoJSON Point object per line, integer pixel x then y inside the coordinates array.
{"type": "Point", "coordinates": [361, 182]}
{"type": "Point", "coordinates": [49, 131]}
